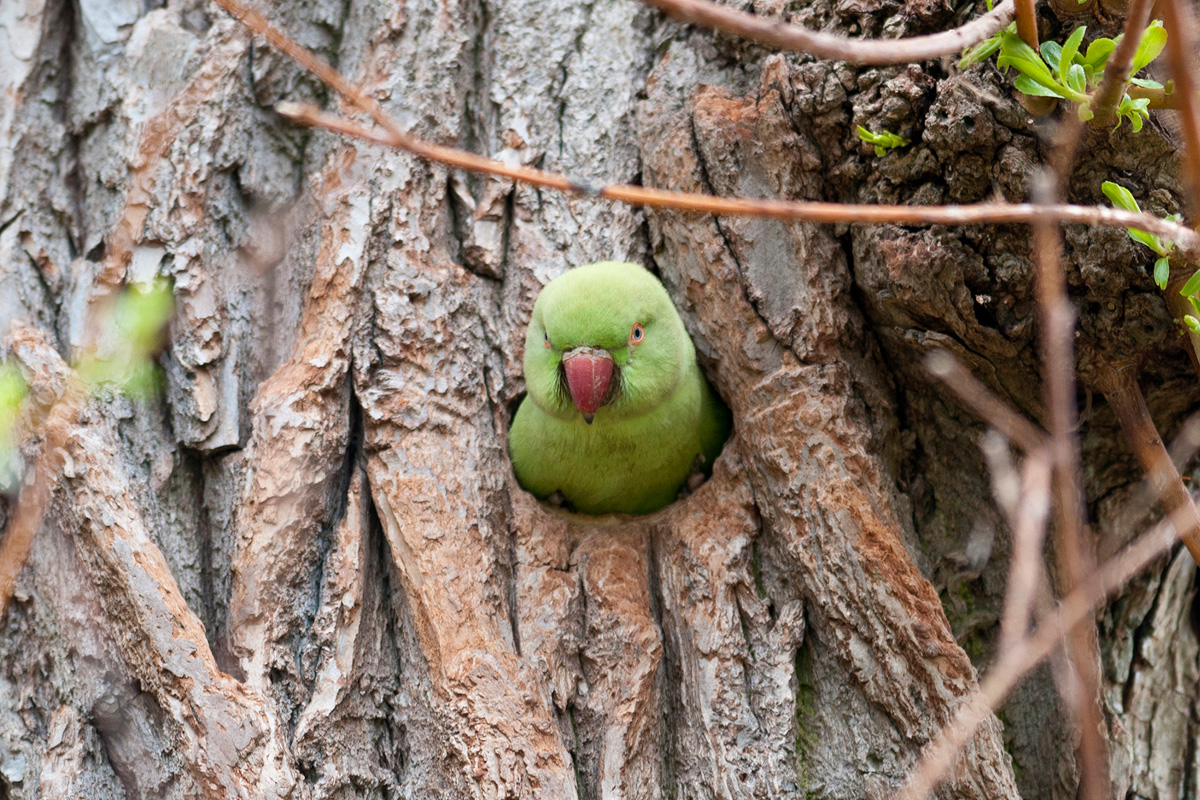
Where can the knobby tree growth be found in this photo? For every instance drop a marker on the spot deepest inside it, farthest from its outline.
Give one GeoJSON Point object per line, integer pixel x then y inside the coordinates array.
{"type": "Point", "coordinates": [302, 567]}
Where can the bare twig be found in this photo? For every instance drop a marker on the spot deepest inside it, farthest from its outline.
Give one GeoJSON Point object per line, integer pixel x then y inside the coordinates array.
{"type": "Point", "coordinates": [780, 35]}
{"type": "Point", "coordinates": [1006, 481]}
{"type": "Point", "coordinates": [1186, 239]}
{"type": "Point", "coordinates": [1120, 388]}
{"type": "Point", "coordinates": [986, 405]}
{"type": "Point", "coordinates": [1186, 442]}
{"type": "Point", "coordinates": [1058, 359]}
{"type": "Point", "coordinates": [1025, 567]}
{"type": "Point", "coordinates": [1181, 49]}
{"type": "Point", "coordinates": [1014, 663]}
{"type": "Point", "coordinates": [1026, 13]}
{"type": "Point", "coordinates": [1159, 98]}
{"type": "Point", "coordinates": [1129, 516]}
{"type": "Point", "coordinates": [1074, 555]}
{"type": "Point", "coordinates": [1116, 71]}
{"type": "Point", "coordinates": [996, 213]}
{"type": "Point", "coordinates": [1108, 95]}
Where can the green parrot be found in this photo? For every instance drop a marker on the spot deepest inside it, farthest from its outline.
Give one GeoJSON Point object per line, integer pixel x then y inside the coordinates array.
{"type": "Point", "coordinates": [617, 413]}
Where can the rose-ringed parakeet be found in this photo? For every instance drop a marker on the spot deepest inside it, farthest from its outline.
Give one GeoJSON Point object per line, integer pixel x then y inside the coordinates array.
{"type": "Point", "coordinates": [617, 412]}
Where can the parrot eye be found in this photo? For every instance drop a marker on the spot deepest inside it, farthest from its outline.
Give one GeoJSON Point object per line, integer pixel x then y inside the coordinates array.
{"type": "Point", "coordinates": [546, 340]}
{"type": "Point", "coordinates": [637, 334]}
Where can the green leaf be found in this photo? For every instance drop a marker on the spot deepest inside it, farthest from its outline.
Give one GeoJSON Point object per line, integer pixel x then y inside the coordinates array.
{"type": "Point", "coordinates": [1136, 111]}
{"type": "Point", "coordinates": [1098, 53]}
{"type": "Point", "coordinates": [1146, 83]}
{"type": "Point", "coordinates": [1153, 40]}
{"type": "Point", "coordinates": [1026, 85]}
{"type": "Point", "coordinates": [1069, 49]}
{"type": "Point", "coordinates": [1077, 78]}
{"type": "Point", "coordinates": [1148, 239]}
{"type": "Point", "coordinates": [1192, 286]}
{"type": "Point", "coordinates": [1123, 199]}
{"type": "Point", "coordinates": [1014, 52]}
{"type": "Point", "coordinates": [980, 52]}
{"type": "Point", "coordinates": [1052, 52]}
{"type": "Point", "coordinates": [1034, 70]}
{"type": "Point", "coordinates": [1085, 112]}
{"type": "Point", "coordinates": [1192, 323]}
{"type": "Point", "coordinates": [1162, 271]}
{"type": "Point", "coordinates": [883, 141]}
{"type": "Point", "coordinates": [1120, 197]}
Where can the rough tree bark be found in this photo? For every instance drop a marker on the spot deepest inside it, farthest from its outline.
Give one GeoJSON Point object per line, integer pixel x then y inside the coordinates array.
{"type": "Point", "coordinates": [306, 570]}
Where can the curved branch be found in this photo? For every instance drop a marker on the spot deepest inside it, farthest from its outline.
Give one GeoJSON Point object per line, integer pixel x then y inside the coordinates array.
{"type": "Point", "coordinates": [1012, 664]}
{"type": "Point", "coordinates": [1117, 70]}
{"type": "Point", "coordinates": [1180, 47]}
{"type": "Point", "coordinates": [783, 36]}
{"type": "Point", "coordinates": [1186, 239]}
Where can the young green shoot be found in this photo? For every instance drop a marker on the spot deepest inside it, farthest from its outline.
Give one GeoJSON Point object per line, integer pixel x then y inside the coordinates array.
{"type": "Point", "coordinates": [883, 141]}
{"type": "Point", "coordinates": [1122, 198]}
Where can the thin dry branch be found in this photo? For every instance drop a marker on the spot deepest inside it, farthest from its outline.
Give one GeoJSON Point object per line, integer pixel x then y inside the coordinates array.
{"type": "Point", "coordinates": [1075, 554]}
{"type": "Point", "coordinates": [809, 211]}
{"type": "Point", "coordinates": [1026, 12]}
{"type": "Point", "coordinates": [1014, 663]}
{"type": "Point", "coordinates": [995, 213]}
{"type": "Point", "coordinates": [1181, 48]}
{"type": "Point", "coordinates": [1120, 388]}
{"type": "Point", "coordinates": [1108, 95]}
{"type": "Point", "coordinates": [1025, 571]}
{"type": "Point", "coordinates": [986, 405]}
{"type": "Point", "coordinates": [1006, 481]}
{"type": "Point", "coordinates": [783, 36]}
{"type": "Point", "coordinates": [1116, 71]}
{"type": "Point", "coordinates": [1186, 442]}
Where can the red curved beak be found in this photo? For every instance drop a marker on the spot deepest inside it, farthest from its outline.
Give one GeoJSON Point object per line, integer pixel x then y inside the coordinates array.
{"type": "Point", "coordinates": [589, 376]}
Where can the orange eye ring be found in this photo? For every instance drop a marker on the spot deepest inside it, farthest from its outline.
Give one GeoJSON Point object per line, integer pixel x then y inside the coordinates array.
{"type": "Point", "coordinates": [637, 334]}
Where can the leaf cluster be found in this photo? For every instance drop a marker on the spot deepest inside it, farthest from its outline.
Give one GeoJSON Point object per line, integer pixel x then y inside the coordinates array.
{"type": "Point", "coordinates": [1070, 72]}
{"type": "Point", "coordinates": [883, 141]}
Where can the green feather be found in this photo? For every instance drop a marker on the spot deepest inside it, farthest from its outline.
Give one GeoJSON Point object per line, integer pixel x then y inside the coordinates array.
{"type": "Point", "coordinates": [643, 444]}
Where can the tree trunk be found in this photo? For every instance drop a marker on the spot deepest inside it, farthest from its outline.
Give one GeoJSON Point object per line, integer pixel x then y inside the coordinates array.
{"type": "Point", "coordinates": [305, 569]}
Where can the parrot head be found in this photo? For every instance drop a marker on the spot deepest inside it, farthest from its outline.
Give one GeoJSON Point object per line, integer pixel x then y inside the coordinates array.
{"type": "Point", "coordinates": [604, 340]}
